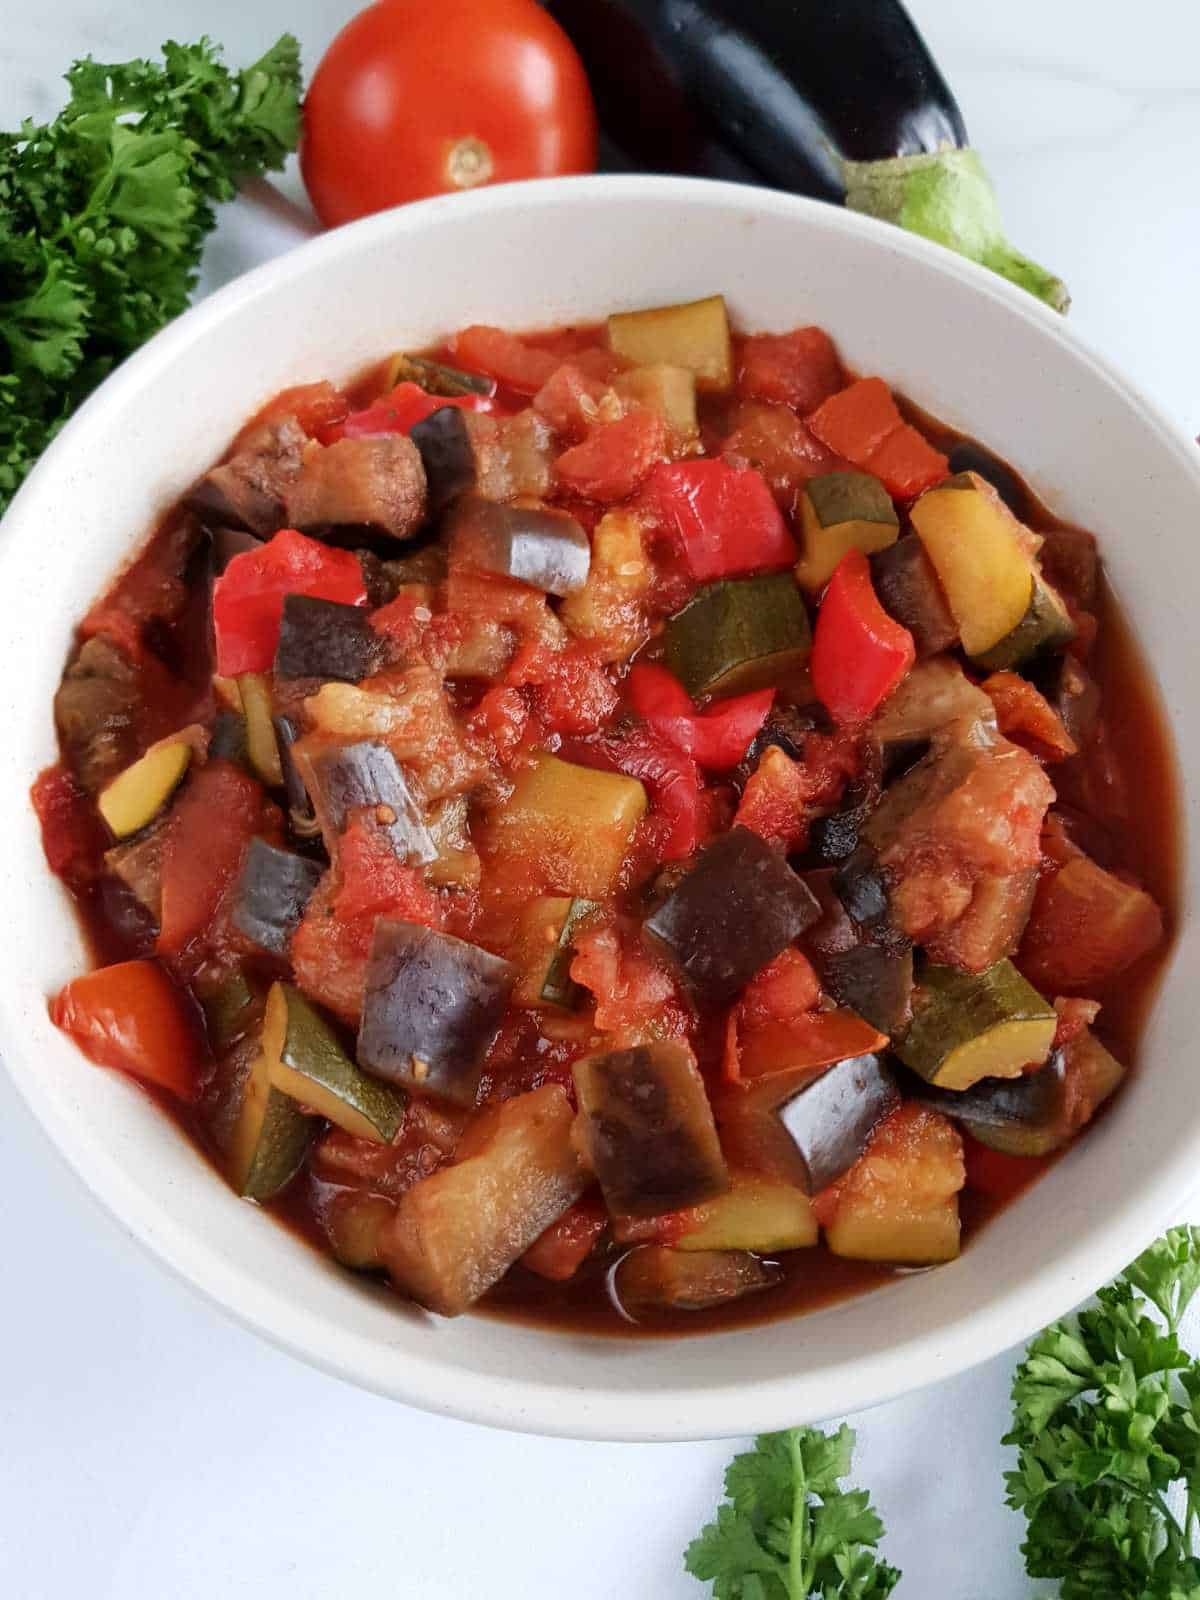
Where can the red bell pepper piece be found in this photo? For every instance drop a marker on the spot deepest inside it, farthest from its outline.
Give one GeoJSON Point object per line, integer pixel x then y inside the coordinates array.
{"type": "Point", "coordinates": [862, 424]}
{"type": "Point", "coordinates": [672, 780]}
{"type": "Point", "coordinates": [131, 1016]}
{"type": "Point", "coordinates": [717, 738]}
{"type": "Point", "coordinates": [401, 410]}
{"type": "Point", "coordinates": [859, 653]}
{"type": "Point", "coordinates": [725, 518]}
{"type": "Point", "coordinates": [248, 596]}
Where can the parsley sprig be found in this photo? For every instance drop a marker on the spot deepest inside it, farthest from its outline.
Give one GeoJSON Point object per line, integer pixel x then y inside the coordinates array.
{"type": "Point", "coordinates": [788, 1531]}
{"type": "Point", "coordinates": [104, 212]}
{"type": "Point", "coordinates": [1106, 1421]}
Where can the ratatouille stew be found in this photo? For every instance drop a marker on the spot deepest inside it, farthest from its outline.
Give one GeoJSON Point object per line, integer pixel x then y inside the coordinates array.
{"type": "Point", "coordinates": [633, 826]}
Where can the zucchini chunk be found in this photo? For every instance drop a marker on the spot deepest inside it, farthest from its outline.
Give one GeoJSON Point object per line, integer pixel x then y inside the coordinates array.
{"type": "Point", "coordinates": [656, 1278]}
{"type": "Point", "coordinates": [261, 746]}
{"type": "Point", "coordinates": [353, 1223]}
{"type": "Point", "coordinates": [231, 1009]}
{"type": "Point", "coordinates": [669, 390]}
{"type": "Point", "coordinates": [136, 796]}
{"type": "Point", "coordinates": [435, 377]}
{"type": "Point", "coordinates": [839, 512]}
{"type": "Point", "coordinates": [755, 1213]}
{"type": "Point", "coordinates": [647, 1130]}
{"type": "Point", "coordinates": [739, 634]}
{"type": "Point", "coordinates": [325, 639]}
{"type": "Point", "coordinates": [548, 550]}
{"type": "Point", "coordinates": [457, 1232]}
{"type": "Point", "coordinates": [1045, 627]}
{"type": "Point", "coordinates": [547, 936]}
{"type": "Point", "coordinates": [344, 778]}
{"type": "Point", "coordinates": [899, 1202]}
{"type": "Point", "coordinates": [738, 906]}
{"type": "Point", "coordinates": [270, 1135]}
{"type": "Point", "coordinates": [694, 334]}
{"type": "Point", "coordinates": [981, 554]}
{"type": "Point", "coordinates": [968, 1026]}
{"type": "Point", "coordinates": [909, 590]}
{"type": "Point", "coordinates": [305, 1061]}
{"type": "Point", "coordinates": [576, 821]}
{"type": "Point", "coordinates": [431, 1007]}
{"type": "Point", "coordinates": [272, 892]}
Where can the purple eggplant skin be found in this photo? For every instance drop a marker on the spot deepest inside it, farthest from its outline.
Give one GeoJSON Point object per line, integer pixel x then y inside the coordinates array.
{"type": "Point", "coordinates": [225, 543]}
{"type": "Point", "coordinates": [859, 884]}
{"type": "Point", "coordinates": [347, 776]}
{"type": "Point", "coordinates": [909, 591]}
{"type": "Point", "coordinates": [831, 1122]}
{"type": "Point", "coordinates": [1034, 1100]}
{"type": "Point", "coordinates": [447, 454]}
{"type": "Point", "coordinates": [326, 639]}
{"type": "Point", "coordinates": [431, 1007]}
{"type": "Point", "coordinates": [874, 981]}
{"type": "Point", "coordinates": [648, 1129]}
{"type": "Point", "coordinates": [548, 550]}
{"type": "Point", "coordinates": [737, 908]}
{"type": "Point", "coordinates": [227, 741]}
{"type": "Point", "coordinates": [274, 888]}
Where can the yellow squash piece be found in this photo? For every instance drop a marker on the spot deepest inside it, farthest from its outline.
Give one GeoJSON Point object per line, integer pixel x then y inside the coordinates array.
{"type": "Point", "coordinates": [839, 512]}
{"type": "Point", "coordinates": [693, 335]}
{"type": "Point", "coordinates": [982, 555]}
{"type": "Point", "coordinates": [306, 1062]}
{"type": "Point", "coordinates": [575, 822]}
{"type": "Point", "coordinates": [137, 795]}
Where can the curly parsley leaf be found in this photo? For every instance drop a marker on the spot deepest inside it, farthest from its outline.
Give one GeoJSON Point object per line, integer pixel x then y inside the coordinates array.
{"type": "Point", "coordinates": [1106, 1421]}
{"type": "Point", "coordinates": [787, 1531]}
{"type": "Point", "coordinates": [104, 213]}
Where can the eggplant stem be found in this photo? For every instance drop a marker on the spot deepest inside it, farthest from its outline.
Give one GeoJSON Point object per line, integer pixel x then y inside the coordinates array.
{"type": "Point", "coordinates": [946, 195]}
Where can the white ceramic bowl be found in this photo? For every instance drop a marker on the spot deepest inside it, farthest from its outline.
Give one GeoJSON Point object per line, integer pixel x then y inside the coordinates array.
{"type": "Point", "coordinates": [977, 353]}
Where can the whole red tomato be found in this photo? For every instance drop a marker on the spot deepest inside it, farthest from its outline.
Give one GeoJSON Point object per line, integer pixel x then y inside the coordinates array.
{"type": "Point", "coordinates": [423, 97]}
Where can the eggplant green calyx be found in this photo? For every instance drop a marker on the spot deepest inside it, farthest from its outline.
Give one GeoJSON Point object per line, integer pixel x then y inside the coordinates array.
{"type": "Point", "coordinates": [946, 195]}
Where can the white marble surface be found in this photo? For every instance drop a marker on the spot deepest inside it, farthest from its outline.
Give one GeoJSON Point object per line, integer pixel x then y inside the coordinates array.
{"type": "Point", "coordinates": [147, 1446]}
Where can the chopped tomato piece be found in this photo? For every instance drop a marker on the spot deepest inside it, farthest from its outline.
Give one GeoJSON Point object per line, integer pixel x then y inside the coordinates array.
{"type": "Point", "coordinates": [566, 1244]}
{"type": "Point", "coordinates": [572, 693]}
{"type": "Point", "coordinates": [316, 407]}
{"type": "Point", "coordinates": [782, 796]}
{"type": "Point", "coordinates": [785, 989]}
{"type": "Point", "coordinates": [502, 717]}
{"type": "Point", "coordinates": [73, 836]}
{"type": "Point", "coordinates": [218, 813]}
{"type": "Point", "coordinates": [725, 518]}
{"type": "Point", "coordinates": [800, 368]}
{"type": "Point", "coordinates": [400, 411]}
{"type": "Point", "coordinates": [615, 457]}
{"type": "Point", "coordinates": [863, 424]}
{"type": "Point", "coordinates": [373, 881]}
{"type": "Point", "coordinates": [248, 596]}
{"type": "Point", "coordinates": [570, 400]}
{"type": "Point", "coordinates": [1028, 717]}
{"type": "Point", "coordinates": [511, 361]}
{"type": "Point", "coordinates": [717, 738]}
{"type": "Point", "coordinates": [859, 653]}
{"type": "Point", "coordinates": [637, 999]}
{"type": "Point", "coordinates": [134, 1018]}
{"type": "Point", "coordinates": [1075, 1017]}
{"type": "Point", "coordinates": [775, 441]}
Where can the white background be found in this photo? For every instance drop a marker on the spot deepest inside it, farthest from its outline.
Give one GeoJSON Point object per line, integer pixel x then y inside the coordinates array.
{"type": "Point", "coordinates": [148, 1447]}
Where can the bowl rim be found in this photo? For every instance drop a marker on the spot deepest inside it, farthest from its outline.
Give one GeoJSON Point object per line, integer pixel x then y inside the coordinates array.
{"type": "Point", "coordinates": [584, 1411]}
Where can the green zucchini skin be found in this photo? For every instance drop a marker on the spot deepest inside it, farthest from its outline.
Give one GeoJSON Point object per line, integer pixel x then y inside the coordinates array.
{"type": "Point", "coordinates": [956, 1010]}
{"type": "Point", "coordinates": [282, 1145]}
{"type": "Point", "coordinates": [739, 634]}
{"type": "Point", "coordinates": [1045, 627]}
{"type": "Point", "coordinates": [558, 987]}
{"type": "Point", "coordinates": [309, 1049]}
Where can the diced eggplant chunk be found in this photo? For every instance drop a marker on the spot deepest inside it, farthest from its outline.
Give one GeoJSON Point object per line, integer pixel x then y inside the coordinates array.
{"type": "Point", "coordinates": [860, 885]}
{"type": "Point", "coordinates": [908, 589]}
{"type": "Point", "coordinates": [96, 710]}
{"type": "Point", "coordinates": [759, 1213]}
{"type": "Point", "coordinates": [305, 1061]}
{"type": "Point", "coordinates": [447, 454]}
{"type": "Point", "coordinates": [1072, 692]}
{"type": "Point", "coordinates": [654, 1278]}
{"type": "Point", "coordinates": [899, 1202]}
{"type": "Point", "coordinates": [343, 778]}
{"type": "Point", "coordinates": [547, 549]}
{"type": "Point", "coordinates": [431, 1007]}
{"type": "Point", "coordinates": [991, 926]}
{"type": "Point", "coordinates": [325, 639]}
{"type": "Point", "coordinates": [968, 1026]}
{"type": "Point", "coordinates": [1070, 561]}
{"type": "Point", "coordinates": [302, 818]}
{"type": "Point", "coordinates": [647, 1129]}
{"type": "Point", "coordinates": [228, 741]}
{"type": "Point", "coordinates": [376, 482]}
{"type": "Point", "coordinates": [1086, 1076]}
{"type": "Point", "coordinates": [138, 864]}
{"type": "Point", "coordinates": [934, 696]}
{"type": "Point", "coordinates": [247, 491]}
{"type": "Point", "coordinates": [874, 981]}
{"type": "Point", "coordinates": [834, 838]}
{"type": "Point", "coordinates": [831, 1122]}
{"type": "Point", "coordinates": [834, 932]}
{"type": "Point", "coordinates": [457, 1232]}
{"type": "Point", "coordinates": [737, 908]}
{"type": "Point", "coordinates": [272, 892]}
{"type": "Point", "coordinates": [967, 456]}
{"type": "Point", "coordinates": [225, 543]}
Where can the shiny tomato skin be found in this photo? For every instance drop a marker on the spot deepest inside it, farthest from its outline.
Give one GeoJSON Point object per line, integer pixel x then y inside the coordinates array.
{"type": "Point", "coordinates": [132, 1017]}
{"type": "Point", "coordinates": [416, 98]}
